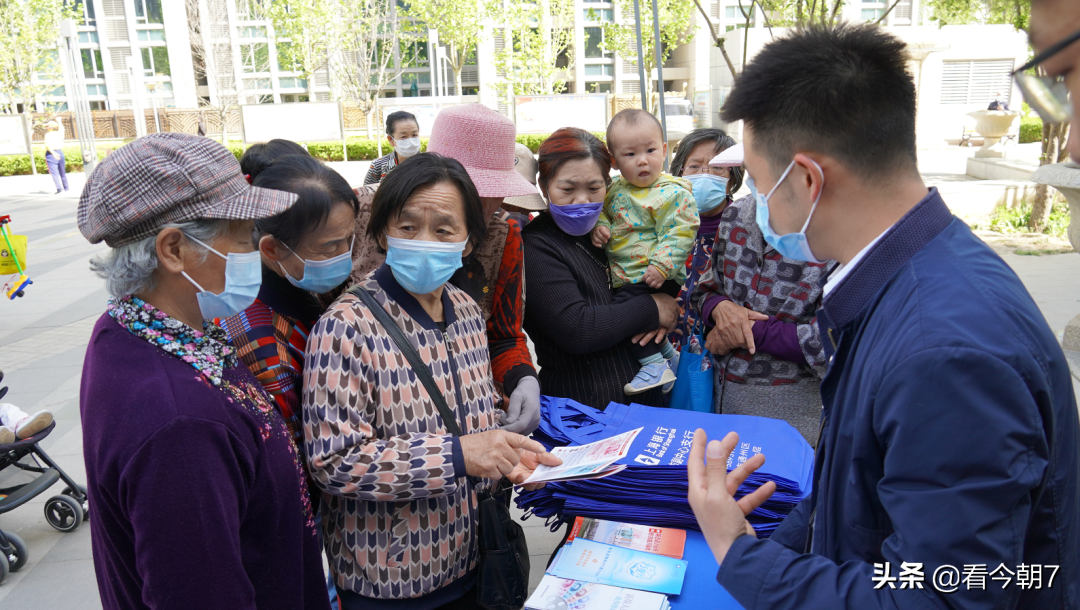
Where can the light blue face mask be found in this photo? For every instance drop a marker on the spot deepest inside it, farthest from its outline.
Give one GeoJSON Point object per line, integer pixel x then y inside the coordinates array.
{"type": "Point", "coordinates": [710, 191]}
{"type": "Point", "coordinates": [792, 245]}
{"type": "Point", "coordinates": [422, 266]}
{"type": "Point", "coordinates": [321, 276]}
{"type": "Point", "coordinates": [243, 278]}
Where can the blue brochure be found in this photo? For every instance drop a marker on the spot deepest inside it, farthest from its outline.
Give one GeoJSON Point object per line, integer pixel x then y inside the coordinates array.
{"type": "Point", "coordinates": [611, 565]}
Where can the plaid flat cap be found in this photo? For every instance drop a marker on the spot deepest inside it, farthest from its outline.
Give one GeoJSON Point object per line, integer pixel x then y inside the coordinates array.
{"type": "Point", "coordinates": [167, 178]}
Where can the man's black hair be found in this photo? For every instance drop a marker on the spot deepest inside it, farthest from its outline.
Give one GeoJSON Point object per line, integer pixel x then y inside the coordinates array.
{"type": "Point", "coordinates": [418, 172]}
{"type": "Point", "coordinates": [259, 156]}
{"type": "Point", "coordinates": [843, 91]}
{"type": "Point", "coordinates": [319, 189]}
{"type": "Point", "coordinates": [396, 117]}
{"type": "Point", "coordinates": [630, 117]}
{"type": "Point", "coordinates": [721, 141]}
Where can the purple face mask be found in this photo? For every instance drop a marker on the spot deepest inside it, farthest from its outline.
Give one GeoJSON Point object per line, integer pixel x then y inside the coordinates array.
{"type": "Point", "coordinates": [576, 218]}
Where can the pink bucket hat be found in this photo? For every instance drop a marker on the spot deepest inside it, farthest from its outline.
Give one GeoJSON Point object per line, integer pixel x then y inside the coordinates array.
{"type": "Point", "coordinates": [483, 141]}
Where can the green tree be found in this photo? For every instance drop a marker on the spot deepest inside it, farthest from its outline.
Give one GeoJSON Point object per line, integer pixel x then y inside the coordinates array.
{"type": "Point", "coordinates": [676, 28]}
{"type": "Point", "coordinates": [29, 33]}
{"type": "Point", "coordinates": [539, 46]}
{"type": "Point", "coordinates": [364, 38]}
{"type": "Point", "coordinates": [961, 12]}
{"type": "Point", "coordinates": [460, 24]}
{"type": "Point", "coordinates": [303, 31]}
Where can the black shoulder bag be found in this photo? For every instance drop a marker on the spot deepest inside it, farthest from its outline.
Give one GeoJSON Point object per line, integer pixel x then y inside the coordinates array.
{"type": "Point", "coordinates": [503, 579]}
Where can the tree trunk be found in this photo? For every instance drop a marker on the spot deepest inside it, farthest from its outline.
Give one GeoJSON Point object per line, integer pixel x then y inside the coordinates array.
{"type": "Point", "coordinates": [1055, 135]}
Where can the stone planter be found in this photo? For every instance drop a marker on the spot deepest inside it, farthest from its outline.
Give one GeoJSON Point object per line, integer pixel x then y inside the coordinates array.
{"type": "Point", "coordinates": [1065, 177]}
{"type": "Point", "coordinates": [993, 125]}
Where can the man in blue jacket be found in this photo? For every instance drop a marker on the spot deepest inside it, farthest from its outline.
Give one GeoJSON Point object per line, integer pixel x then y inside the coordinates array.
{"type": "Point", "coordinates": [948, 470]}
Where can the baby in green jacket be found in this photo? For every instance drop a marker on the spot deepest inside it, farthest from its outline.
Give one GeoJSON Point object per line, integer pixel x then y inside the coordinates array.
{"type": "Point", "coordinates": [648, 228]}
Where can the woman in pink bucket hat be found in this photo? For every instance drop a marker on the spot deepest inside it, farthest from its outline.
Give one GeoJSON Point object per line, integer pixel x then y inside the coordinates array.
{"type": "Point", "coordinates": [484, 142]}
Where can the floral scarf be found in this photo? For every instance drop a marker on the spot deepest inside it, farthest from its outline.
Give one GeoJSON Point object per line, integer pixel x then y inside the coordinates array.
{"type": "Point", "coordinates": [208, 351]}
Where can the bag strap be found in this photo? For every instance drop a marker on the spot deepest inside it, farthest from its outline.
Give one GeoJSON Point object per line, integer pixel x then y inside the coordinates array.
{"type": "Point", "coordinates": [421, 369]}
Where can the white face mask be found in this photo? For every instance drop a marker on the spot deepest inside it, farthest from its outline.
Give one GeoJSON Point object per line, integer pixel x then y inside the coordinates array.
{"type": "Point", "coordinates": [407, 147]}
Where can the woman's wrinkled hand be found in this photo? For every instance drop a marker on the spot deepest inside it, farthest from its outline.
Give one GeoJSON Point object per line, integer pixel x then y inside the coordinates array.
{"type": "Point", "coordinates": [733, 328]}
{"type": "Point", "coordinates": [668, 314]}
{"type": "Point", "coordinates": [495, 453]}
{"type": "Point", "coordinates": [530, 460]}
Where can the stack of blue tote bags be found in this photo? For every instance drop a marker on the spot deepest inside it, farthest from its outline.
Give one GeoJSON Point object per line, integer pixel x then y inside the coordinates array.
{"type": "Point", "coordinates": [652, 489]}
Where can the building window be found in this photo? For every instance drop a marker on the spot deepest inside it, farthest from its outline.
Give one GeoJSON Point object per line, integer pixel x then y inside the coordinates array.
{"type": "Point", "coordinates": [97, 105]}
{"type": "Point", "coordinates": [88, 37]}
{"type": "Point", "coordinates": [257, 83]}
{"type": "Point", "coordinates": [97, 90]}
{"type": "Point", "coordinates": [599, 14]}
{"type": "Point", "coordinates": [414, 53]}
{"type": "Point", "coordinates": [255, 57]}
{"type": "Point", "coordinates": [91, 61]}
{"type": "Point", "coordinates": [598, 87]}
{"type": "Point", "coordinates": [156, 35]}
{"type": "Point", "coordinates": [294, 98]}
{"type": "Point", "coordinates": [285, 62]}
{"type": "Point", "coordinates": [85, 9]}
{"type": "Point", "coordinates": [292, 83]}
{"type": "Point", "coordinates": [148, 11]}
{"type": "Point", "coordinates": [872, 14]}
{"type": "Point", "coordinates": [156, 61]}
{"type": "Point", "coordinates": [594, 39]}
{"type": "Point", "coordinates": [599, 70]}
{"type": "Point", "coordinates": [250, 31]}
{"type": "Point", "coordinates": [250, 9]}
{"type": "Point", "coordinates": [975, 82]}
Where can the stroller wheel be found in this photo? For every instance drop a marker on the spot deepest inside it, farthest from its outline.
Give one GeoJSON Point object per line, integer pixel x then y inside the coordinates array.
{"type": "Point", "coordinates": [4, 568]}
{"type": "Point", "coordinates": [16, 553]}
{"type": "Point", "coordinates": [63, 513]}
{"type": "Point", "coordinates": [85, 503]}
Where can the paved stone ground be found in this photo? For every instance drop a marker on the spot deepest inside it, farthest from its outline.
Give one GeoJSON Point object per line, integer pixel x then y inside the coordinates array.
{"type": "Point", "coordinates": [43, 338]}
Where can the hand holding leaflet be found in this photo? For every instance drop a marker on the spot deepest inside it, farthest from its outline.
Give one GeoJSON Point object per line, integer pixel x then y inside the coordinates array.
{"type": "Point", "coordinates": [586, 461]}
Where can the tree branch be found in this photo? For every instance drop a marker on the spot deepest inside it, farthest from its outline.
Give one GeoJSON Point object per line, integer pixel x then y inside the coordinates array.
{"type": "Point", "coordinates": [886, 14]}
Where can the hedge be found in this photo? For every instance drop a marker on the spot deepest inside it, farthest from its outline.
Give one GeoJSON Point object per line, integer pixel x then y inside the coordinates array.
{"type": "Point", "coordinates": [360, 149]}
{"type": "Point", "coordinates": [1031, 129]}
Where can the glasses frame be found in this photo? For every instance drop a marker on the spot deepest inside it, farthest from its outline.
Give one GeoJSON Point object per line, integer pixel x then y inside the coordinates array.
{"type": "Point", "coordinates": [1047, 95]}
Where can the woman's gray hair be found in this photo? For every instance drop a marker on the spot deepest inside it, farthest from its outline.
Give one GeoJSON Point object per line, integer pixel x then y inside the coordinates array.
{"type": "Point", "coordinates": [129, 269]}
{"type": "Point", "coordinates": [721, 141]}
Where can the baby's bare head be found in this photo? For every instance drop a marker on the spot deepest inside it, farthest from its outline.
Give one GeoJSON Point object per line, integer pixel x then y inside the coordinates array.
{"type": "Point", "coordinates": [633, 124]}
{"type": "Point", "coordinates": [636, 141]}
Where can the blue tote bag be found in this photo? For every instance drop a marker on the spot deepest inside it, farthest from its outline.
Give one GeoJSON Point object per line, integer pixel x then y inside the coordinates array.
{"type": "Point", "coordinates": [693, 389]}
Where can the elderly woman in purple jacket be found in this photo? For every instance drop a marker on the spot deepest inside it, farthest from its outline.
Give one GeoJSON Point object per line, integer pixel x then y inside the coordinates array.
{"type": "Point", "coordinates": [199, 496]}
{"type": "Point", "coordinates": [759, 310]}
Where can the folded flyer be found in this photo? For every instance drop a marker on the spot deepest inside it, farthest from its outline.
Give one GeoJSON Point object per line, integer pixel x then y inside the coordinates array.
{"type": "Point", "coordinates": [659, 540]}
{"type": "Point", "coordinates": [611, 565]}
{"type": "Point", "coordinates": [560, 594]}
{"type": "Point", "coordinates": [585, 461]}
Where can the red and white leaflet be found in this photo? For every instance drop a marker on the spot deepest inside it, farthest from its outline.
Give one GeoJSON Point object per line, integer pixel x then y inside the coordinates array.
{"type": "Point", "coordinates": [583, 461]}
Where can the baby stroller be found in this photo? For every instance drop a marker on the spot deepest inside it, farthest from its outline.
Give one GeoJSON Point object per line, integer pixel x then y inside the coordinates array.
{"type": "Point", "coordinates": [64, 512]}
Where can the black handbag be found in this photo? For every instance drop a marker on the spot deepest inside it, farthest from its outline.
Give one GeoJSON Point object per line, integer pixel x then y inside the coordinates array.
{"type": "Point", "coordinates": [503, 579]}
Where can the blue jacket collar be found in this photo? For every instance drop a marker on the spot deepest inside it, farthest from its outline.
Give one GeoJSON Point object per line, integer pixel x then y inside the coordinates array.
{"type": "Point", "coordinates": [385, 277]}
{"type": "Point", "coordinates": [905, 238]}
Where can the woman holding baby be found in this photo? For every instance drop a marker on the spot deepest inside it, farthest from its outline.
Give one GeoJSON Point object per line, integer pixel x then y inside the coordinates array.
{"type": "Point", "coordinates": [581, 333]}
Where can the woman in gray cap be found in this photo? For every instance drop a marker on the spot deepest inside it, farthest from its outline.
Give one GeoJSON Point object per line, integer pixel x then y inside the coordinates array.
{"type": "Point", "coordinates": [198, 492]}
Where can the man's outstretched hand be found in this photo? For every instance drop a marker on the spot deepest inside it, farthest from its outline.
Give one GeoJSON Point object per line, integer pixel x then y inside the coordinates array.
{"type": "Point", "coordinates": [712, 491]}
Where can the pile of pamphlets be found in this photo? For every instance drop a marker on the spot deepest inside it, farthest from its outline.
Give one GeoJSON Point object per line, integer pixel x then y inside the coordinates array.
{"type": "Point", "coordinates": [652, 486]}
{"type": "Point", "coordinates": [613, 566]}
